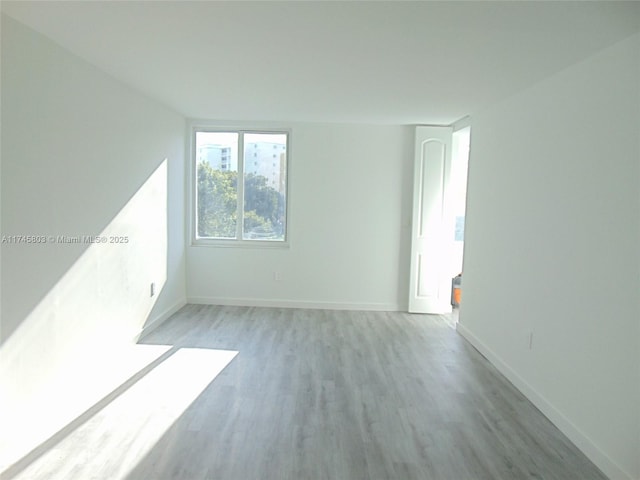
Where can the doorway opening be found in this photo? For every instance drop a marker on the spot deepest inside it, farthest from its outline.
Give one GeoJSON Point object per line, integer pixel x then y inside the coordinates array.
{"type": "Point", "coordinates": [461, 140]}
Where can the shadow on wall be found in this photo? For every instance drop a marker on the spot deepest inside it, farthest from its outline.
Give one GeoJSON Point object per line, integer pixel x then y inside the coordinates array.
{"type": "Point", "coordinates": [89, 319]}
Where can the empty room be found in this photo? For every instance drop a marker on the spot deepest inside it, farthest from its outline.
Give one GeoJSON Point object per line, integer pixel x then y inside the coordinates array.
{"type": "Point", "coordinates": [232, 231]}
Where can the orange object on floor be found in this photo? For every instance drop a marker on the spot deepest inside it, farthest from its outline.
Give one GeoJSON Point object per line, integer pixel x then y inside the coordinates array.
{"type": "Point", "coordinates": [457, 295]}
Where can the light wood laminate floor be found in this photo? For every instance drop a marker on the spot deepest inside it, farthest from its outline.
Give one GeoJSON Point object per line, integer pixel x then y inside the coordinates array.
{"type": "Point", "coordinates": [315, 394]}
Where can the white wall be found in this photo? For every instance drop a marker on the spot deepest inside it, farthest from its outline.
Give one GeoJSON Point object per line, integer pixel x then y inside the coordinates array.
{"type": "Point", "coordinates": [552, 247]}
{"type": "Point", "coordinates": [82, 154]}
{"type": "Point", "coordinates": [350, 211]}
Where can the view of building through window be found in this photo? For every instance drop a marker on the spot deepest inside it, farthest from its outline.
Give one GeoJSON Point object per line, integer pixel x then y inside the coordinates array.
{"type": "Point", "coordinates": [258, 203]}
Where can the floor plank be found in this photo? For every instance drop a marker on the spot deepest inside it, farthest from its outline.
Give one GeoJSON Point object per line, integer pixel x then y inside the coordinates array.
{"type": "Point", "coordinates": [316, 394]}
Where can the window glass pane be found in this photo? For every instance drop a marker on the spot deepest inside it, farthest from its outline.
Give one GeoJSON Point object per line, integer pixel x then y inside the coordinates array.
{"type": "Point", "coordinates": [265, 166]}
{"type": "Point", "coordinates": [217, 184]}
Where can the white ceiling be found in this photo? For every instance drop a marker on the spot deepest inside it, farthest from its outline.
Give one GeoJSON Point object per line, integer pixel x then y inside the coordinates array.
{"type": "Point", "coordinates": [372, 62]}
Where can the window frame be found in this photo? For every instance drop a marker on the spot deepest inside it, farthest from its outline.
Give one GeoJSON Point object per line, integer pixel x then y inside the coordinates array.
{"type": "Point", "coordinates": [192, 190]}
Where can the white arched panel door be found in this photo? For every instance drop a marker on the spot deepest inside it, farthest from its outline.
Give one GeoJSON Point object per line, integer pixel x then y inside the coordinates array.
{"type": "Point", "coordinates": [430, 285]}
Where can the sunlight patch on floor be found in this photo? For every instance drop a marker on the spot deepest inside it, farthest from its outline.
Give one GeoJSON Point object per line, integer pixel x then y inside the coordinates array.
{"type": "Point", "coordinates": [61, 398]}
{"type": "Point", "coordinates": [112, 442]}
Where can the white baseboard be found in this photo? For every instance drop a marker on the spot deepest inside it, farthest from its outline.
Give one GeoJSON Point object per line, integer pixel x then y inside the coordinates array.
{"type": "Point", "coordinates": [282, 303]}
{"type": "Point", "coordinates": [160, 319]}
{"type": "Point", "coordinates": [584, 443]}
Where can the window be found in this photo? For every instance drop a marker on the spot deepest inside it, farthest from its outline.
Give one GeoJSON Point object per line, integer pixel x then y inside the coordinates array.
{"type": "Point", "coordinates": [247, 211]}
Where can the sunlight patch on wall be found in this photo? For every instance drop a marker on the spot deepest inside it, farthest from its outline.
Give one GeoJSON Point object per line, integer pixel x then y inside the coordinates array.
{"type": "Point", "coordinates": [64, 356]}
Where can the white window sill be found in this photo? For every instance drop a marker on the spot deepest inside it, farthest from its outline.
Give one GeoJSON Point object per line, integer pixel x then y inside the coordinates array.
{"type": "Point", "coordinates": [276, 244]}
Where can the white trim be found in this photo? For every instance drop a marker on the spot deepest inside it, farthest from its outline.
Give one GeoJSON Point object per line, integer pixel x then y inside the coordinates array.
{"type": "Point", "coordinates": [160, 319]}
{"type": "Point", "coordinates": [581, 440]}
{"type": "Point", "coordinates": [284, 303]}
{"type": "Point", "coordinates": [464, 122]}
{"type": "Point", "coordinates": [239, 191]}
